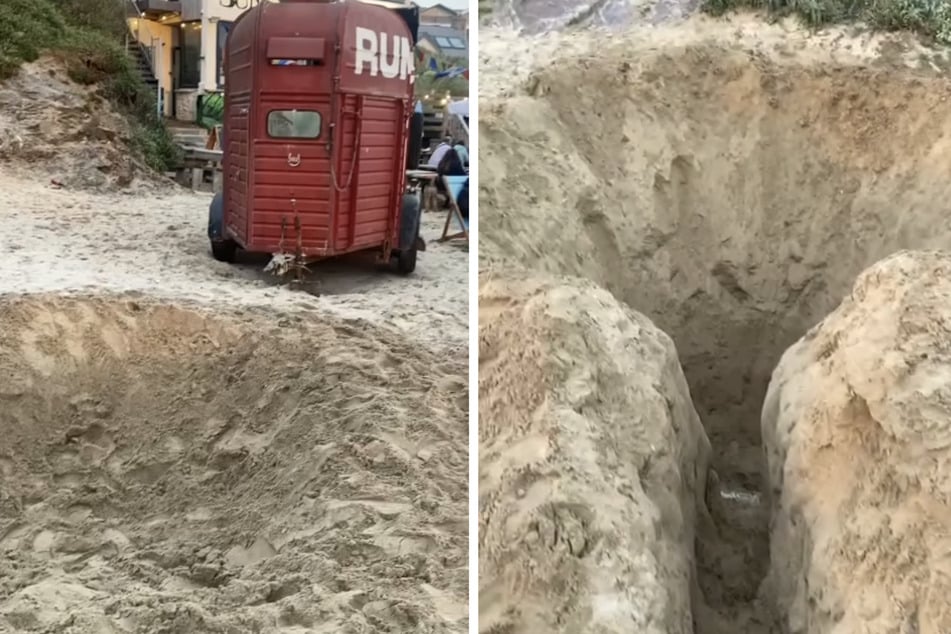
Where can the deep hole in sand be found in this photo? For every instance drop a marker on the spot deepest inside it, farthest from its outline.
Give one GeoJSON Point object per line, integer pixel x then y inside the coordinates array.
{"type": "Point", "coordinates": [150, 403]}
{"type": "Point", "coordinates": [732, 199]}
{"type": "Point", "coordinates": [157, 461]}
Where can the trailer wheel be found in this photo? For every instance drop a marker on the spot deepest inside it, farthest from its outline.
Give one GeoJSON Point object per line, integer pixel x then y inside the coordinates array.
{"type": "Point", "coordinates": [410, 217]}
{"type": "Point", "coordinates": [224, 250]}
{"type": "Point", "coordinates": [406, 261]}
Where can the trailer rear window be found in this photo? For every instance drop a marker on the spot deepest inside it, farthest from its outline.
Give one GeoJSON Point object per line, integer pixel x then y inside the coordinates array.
{"type": "Point", "coordinates": [293, 124]}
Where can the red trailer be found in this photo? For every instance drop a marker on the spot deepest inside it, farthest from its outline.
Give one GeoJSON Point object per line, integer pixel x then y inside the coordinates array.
{"type": "Point", "coordinates": [318, 99]}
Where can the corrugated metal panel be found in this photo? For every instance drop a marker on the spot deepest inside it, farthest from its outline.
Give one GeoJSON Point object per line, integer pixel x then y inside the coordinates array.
{"type": "Point", "coordinates": [236, 175]}
{"type": "Point", "coordinates": [370, 190]}
{"type": "Point", "coordinates": [191, 10]}
{"type": "Point", "coordinates": [159, 6]}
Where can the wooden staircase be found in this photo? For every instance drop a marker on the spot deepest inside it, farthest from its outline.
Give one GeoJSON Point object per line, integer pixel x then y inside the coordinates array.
{"type": "Point", "coordinates": [187, 134]}
{"type": "Point", "coordinates": [141, 63]}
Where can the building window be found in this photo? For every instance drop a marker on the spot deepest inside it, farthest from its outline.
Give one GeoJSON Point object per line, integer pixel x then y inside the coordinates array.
{"type": "Point", "coordinates": [190, 65]}
{"type": "Point", "coordinates": [293, 124]}
{"type": "Point", "coordinates": [457, 43]}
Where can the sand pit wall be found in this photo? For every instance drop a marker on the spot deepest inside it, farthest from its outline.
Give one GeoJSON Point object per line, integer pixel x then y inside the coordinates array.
{"type": "Point", "coordinates": [857, 431]}
{"type": "Point", "coordinates": [163, 469]}
{"type": "Point", "coordinates": [592, 465]}
{"type": "Point", "coordinates": [730, 195]}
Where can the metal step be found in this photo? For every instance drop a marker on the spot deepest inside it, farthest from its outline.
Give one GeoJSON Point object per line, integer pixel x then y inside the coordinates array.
{"type": "Point", "coordinates": [141, 64]}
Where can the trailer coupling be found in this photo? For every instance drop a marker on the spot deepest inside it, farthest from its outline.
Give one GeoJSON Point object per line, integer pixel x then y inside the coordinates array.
{"type": "Point", "coordinates": [283, 262]}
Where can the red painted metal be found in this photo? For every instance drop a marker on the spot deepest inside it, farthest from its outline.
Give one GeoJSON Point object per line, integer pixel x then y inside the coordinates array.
{"type": "Point", "coordinates": [343, 188]}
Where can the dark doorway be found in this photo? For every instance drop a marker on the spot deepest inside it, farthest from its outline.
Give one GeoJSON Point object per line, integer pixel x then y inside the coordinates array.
{"type": "Point", "coordinates": [176, 69]}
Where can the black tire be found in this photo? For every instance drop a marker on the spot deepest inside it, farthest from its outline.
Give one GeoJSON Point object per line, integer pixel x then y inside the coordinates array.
{"type": "Point", "coordinates": [224, 250]}
{"type": "Point", "coordinates": [406, 261]}
{"type": "Point", "coordinates": [411, 215]}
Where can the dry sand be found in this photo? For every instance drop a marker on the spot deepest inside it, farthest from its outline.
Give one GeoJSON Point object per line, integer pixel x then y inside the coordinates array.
{"type": "Point", "coordinates": [592, 465]}
{"type": "Point", "coordinates": [729, 179]}
{"type": "Point", "coordinates": [168, 470]}
{"type": "Point", "coordinates": [153, 241]}
{"type": "Point", "coordinates": [857, 430]}
{"type": "Point", "coordinates": [191, 446]}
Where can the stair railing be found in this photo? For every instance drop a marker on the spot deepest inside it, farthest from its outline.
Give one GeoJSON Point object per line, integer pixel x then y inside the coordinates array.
{"type": "Point", "coordinates": [139, 35]}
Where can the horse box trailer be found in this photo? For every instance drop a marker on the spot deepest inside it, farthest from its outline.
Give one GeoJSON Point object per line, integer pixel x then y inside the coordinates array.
{"type": "Point", "coordinates": [318, 101]}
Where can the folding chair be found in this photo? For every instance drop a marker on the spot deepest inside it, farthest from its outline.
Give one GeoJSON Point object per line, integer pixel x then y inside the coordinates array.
{"type": "Point", "coordinates": [454, 186]}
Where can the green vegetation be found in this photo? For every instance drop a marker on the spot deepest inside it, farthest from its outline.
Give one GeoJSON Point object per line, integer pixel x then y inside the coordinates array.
{"type": "Point", "coordinates": [211, 110]}
{"type": "Point", "coordinates": [931, 18]}
{"type": "Point", "coordinates": [86, 36]}
{"type": "Point", "coordinates": [432, 90]}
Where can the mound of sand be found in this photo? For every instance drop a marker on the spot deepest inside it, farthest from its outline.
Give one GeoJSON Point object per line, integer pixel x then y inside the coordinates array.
{"type": "Point", "coordinates": [857, 428]}
{"type": "Point", "coordinates": [729, 180]}
{"type": "Point", "coordinates": [592, 463]}
{"type": "Point", "coordinates": [164, 469]}
{"type": "Point", "coordinates": [55, 129]}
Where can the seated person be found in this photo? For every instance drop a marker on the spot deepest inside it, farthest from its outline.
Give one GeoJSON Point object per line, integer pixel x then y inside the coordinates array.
{"type": "Point", "coordinates": [450, 165]}
{"type": "Point", "coordinates": [463, 153]}
{"type": "Point", "coordinates": [441, 150]}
